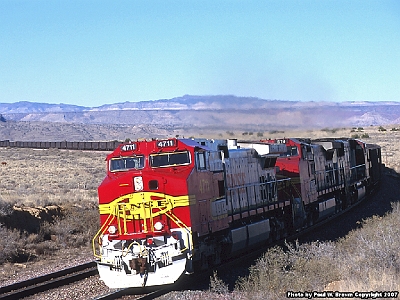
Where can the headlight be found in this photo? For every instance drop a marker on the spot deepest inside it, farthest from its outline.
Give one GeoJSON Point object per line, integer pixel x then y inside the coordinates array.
{"type": "Point", "coordinates": [158, 226]}
{"type": "Point", "coordinates": [112, 229]}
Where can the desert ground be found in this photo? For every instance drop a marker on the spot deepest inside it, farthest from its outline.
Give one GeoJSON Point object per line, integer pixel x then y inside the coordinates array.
{"type": "Point", "coordinates": [48, 211]}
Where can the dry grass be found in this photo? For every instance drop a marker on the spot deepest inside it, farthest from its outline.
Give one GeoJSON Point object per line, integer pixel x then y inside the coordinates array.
{"type": "Point", "coordinates": [298, 268]}
{"type": "Point", "coordinates": [50, 177]}
{"type": "Point", "coordinates": [48, 201]}
{"type": "Point", "coordinates": [367, 259]}
{"type": "Point", "coordinates": [372, 254]}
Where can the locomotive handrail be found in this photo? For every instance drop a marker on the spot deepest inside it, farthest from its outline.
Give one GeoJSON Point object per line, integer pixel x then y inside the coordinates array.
{"type": "Point", "coordinates": [99, 232]}
{"type": "Point", "coordinates": [178, 222]}
{"type": "Point", "coordinates": [258, 184]}
{"type": "Point", "coordinates": [288, 182]}
{"type": "Point", "coordinates": [252, 184]}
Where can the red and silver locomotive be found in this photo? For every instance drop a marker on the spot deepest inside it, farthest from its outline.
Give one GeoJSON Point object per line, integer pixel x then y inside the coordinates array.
{"type": "Point", "coordinates": [169, 207]}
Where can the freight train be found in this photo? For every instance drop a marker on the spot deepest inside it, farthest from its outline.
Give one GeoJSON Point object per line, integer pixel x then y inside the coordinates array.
{"type": "Point", "coordinates": [100, 146]}
{"type": "Point", "coordinates": [175, 206]}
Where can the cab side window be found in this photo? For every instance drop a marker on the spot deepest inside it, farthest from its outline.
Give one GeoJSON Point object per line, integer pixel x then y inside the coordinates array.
{"type": "Point", "coordinates": [201, 160]}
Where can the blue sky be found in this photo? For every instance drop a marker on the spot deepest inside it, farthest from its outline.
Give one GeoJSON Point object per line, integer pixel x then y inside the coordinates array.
{"type": "Point", "coordinates": [96, 52]}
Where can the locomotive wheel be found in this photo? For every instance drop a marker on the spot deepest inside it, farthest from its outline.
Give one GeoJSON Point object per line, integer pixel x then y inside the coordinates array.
{"type": "Point", "coordinates": [276, 232]}
{"type": "Point", "coordinates": [339, 205]}
{"type": "Point", "coordinates": [204, 262]}
{"type": "Point", "coordinates": [310, 219]}
{"type": "Point", "coordinates": [217, 256]}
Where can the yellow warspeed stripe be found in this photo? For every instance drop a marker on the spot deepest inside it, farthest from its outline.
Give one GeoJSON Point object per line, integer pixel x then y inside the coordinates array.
{"type": "Point", "coordinates": [141, 206]}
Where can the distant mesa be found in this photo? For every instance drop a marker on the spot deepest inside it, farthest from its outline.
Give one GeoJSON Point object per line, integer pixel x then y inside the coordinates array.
{"type": "Point", "coordinates": [221, 111]}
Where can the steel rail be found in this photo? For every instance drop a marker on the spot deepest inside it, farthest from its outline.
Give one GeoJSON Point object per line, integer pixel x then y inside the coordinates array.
{"type": "Point", "coordinates": [133, 291]}
{"type": "Point", "coordinates": [49, 281]}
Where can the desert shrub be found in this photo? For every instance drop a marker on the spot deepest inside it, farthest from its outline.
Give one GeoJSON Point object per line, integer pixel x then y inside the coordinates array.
{"type": "Point", "coordinates": [217, 285]}
{"type": "Point", "coordinates": [366, 259]}
{"type": "Point", "coordinates": [10, 246]}
{"type": "Point", "coordinates": [381, 128]}
{"type": "Point", "coordinates": [299, 267]}
{"type": "Point", "coordinates": [260, 134]}
{"type": "Point", "coordinates": [75, 229]}
{"type": "Point", "coordinates": [44, 248]}
{"type": "Point", "coordinates": [334, 130]}
{"type": "Point", "coordinates": [13, 248]}
{"type": "Point", "coordinates": [276, 131]}
{"type": "Point", "coordinates": [365, 136]}
{"type": "Point", "coordinates": [373, 250]}
{"type": "Point", "coordinates": [355, 136]}
{"type": "Point", "coordinates": [5, 209]}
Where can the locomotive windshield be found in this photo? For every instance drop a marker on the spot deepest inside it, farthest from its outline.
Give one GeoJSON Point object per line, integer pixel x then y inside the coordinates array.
{"type": "Point", "coordinates": [126, 163]}
{"type": "Point", "coordinates": [170, 159]}
{"type": "Point", "coordinates": [291, 151]}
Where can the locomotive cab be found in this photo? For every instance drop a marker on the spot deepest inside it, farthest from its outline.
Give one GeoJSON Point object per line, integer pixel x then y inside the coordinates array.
{"type": "Point", "coordinates": [146, 226]}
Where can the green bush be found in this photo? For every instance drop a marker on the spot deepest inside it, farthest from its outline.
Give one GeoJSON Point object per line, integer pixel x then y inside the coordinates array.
{"type": "Point", "coordinates": [365, 136]}
{"type": "Point", "coordinates": [381, 128]}
{"type": "Point", "coordinates": [334, 130]}
{"type": "Point", "coordinates": [276, 131]}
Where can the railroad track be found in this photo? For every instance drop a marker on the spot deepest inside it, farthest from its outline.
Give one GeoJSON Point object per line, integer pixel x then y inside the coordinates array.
{"type": "Point", "coordinates": [131, 292]}
{"type": "Point", "coordinates": [50, 281]}
{"type": "Point", "coordinates": [69, 275]}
